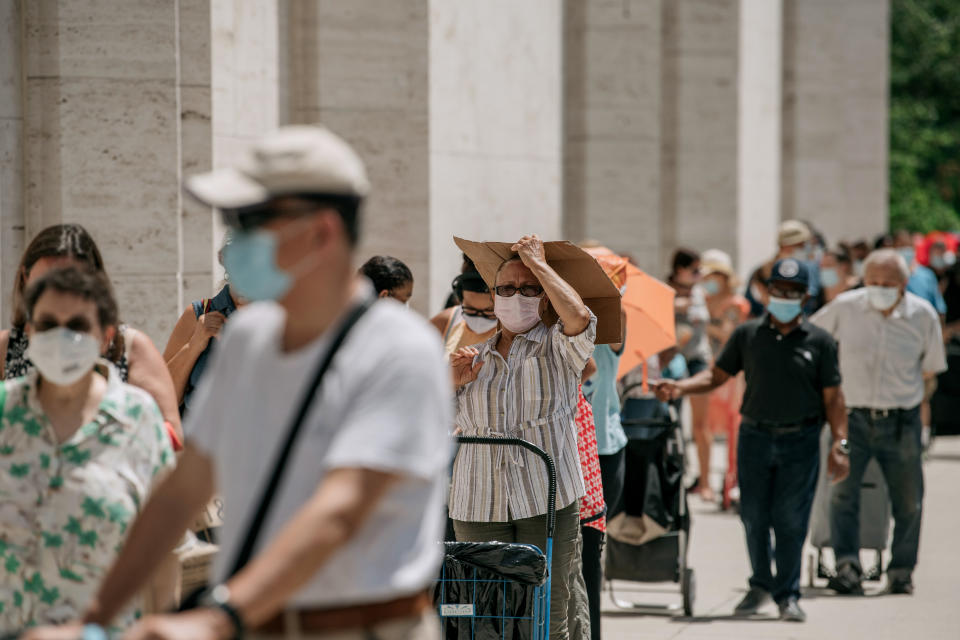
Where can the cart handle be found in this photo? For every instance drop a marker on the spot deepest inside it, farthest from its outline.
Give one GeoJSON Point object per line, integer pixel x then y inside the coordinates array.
{"type": "Point", "coordinates": [543, 455]}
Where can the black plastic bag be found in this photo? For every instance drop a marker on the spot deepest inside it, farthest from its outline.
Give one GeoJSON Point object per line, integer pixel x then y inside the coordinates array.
{"type": "Point", "coordinates": [494, 584]}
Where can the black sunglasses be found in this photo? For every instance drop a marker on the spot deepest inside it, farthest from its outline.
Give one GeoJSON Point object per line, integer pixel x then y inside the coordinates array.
{"type": "Point", "coordinates": [478, 313]}
{"type": "Point", "coordinates": [527, 290]}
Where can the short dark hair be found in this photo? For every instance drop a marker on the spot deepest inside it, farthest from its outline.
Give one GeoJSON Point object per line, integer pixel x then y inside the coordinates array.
{"type": "Point", "coordinates": [386, 272]}
{"type": "Point", "coordinates": [683, 259]}
{"type": "Point", "coordinates": [57, 241]}
{"type": "Point", "coordinates": [83, 282]}
{"type": "Point", "coordinates": [469, 281]}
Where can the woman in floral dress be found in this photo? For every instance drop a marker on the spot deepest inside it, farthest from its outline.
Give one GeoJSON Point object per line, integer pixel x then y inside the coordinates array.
{"type": "Point", "coordinates": [79, 452]}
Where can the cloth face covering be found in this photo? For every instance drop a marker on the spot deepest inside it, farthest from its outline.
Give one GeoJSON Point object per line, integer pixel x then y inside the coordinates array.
{"type": "Point", "coordinates": [784, 309]}
{"type": "Point", "coordinates": [883, 298]}
{"type": "Point", "coordinates": [517, 313]}
{"type": "Point", "coordinates": [63, 356]}
{"type": "Point", "coordinates": [479, 324]}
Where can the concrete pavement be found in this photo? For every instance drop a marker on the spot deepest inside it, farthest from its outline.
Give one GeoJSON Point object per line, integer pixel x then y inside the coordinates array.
{"type": "Point", "coordinates": [718, 555]}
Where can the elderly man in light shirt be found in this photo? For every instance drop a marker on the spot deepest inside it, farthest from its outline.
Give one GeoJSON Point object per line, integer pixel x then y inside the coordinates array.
{"type": "Point", "coordinates": [890, 343]}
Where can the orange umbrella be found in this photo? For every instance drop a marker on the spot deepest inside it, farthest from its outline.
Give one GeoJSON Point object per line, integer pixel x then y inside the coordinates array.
{"type": "Point", "coordinates": [648, 304]}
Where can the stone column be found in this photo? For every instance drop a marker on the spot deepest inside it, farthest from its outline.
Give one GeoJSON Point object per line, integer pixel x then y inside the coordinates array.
{"type": "Point", "coordinates": [758, 190]}
{"type": "Point", "coordinates": [11, 151]}
{"type": "Point", "coordinates": [612, 126]}
{"type": "Point", "coordinates": [454, 106]}
{"type": "Point", "coordinates": [836, 77]}
{"type": "Point", "coordinates": [699, 159]}
{"type": "Point", "coordinates": [116, 99]}
{"type": "Point", "coordinates": [495, 126]}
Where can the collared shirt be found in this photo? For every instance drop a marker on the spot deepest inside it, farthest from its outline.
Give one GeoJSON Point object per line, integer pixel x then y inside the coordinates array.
{"type": "Point", "coordinates": [601, 391]}
{"type": "Point", "coordinates": [923, 283]}
{"type": "Point", "coordinates": [385, 404]}
{"type": "Point", "coordinates": [530, 395]}
{"type": "Point", "coordinates": [65, 508]}
{"type": "Point", "coordinates": [785, 374]}
{"type": "Point", "coordinates": [883, 358]}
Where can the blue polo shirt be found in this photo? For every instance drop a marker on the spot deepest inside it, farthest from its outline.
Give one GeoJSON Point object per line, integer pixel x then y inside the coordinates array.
{"type": "Point", "coordinates": [923, 283]}
{"type": "Point", "coordinates": [601, 391]}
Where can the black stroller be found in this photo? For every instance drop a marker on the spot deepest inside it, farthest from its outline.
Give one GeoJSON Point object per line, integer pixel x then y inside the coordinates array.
{"type": "Point", "coordinates": [648, 540]}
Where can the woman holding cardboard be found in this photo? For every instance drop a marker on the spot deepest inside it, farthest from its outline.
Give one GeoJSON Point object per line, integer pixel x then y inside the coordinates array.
{"type": "Point", "coordinates": [522, 382]}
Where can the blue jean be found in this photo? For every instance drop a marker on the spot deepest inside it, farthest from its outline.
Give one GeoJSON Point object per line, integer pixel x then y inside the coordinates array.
{"type": "Point", "coordinates": [778, 477]}
{"type": "Point", "coordinates": [895, 442]}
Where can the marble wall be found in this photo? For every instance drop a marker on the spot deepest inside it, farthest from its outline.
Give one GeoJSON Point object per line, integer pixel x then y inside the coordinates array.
{"type": "Point", "coordinates": [11, 150]}
{"type": "Point", "coordinates": [835, 86]}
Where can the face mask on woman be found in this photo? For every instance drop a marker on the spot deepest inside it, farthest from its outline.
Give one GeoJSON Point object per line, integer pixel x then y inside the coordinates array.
{"type": "Point", "coordinates": [63, 356]}
{"type": "Point", "coordinates": [479, 324]}
{"type": "Point", "coordinates": [517, 313]}
{"type": "Point", "coordinates": [711, 286]}
{"type": "Point", "coordinates": [829, 277]}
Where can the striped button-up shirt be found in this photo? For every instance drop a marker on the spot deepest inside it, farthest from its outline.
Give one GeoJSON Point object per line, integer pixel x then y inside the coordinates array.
{"type": "Point", "coordinates": [530, 395]}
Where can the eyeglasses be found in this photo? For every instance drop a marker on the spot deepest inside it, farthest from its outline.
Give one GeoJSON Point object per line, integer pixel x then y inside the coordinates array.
{"type": "Point", "coordinates": [478, 313]}
{"type": "Point", "coordinates": [527, 290]}
{"type": "Point", "coordinates": [789, 294]}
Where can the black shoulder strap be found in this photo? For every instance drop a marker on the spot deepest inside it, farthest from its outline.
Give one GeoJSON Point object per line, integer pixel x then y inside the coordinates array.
{"type": "Point", "coordinates": [260, 515]}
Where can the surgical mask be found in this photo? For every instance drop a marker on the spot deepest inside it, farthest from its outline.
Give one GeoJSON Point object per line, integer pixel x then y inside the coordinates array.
{"type": "Point", "coordinates": [63, 356]}
{"type": "Point", "coordinates": [829, 277]}
{"type": "Point", "coordinates": [517, 313]}
{"type": "Point", "coordinates": [908, 254]}
{"type": "Point", "coordinates": [479, 324]}
{"type": "Point", "coordinates": [942, 261]}
{"type": "Point", "coordinates": [712, 287]}
{"type": "Point", "coordinates": [883, 298]}
{"type": "Point", "coordinates": [251, 261]}
{"type": "Point", "coordinates": [858, 268]}
{"type": "Point", "coordinates": [784, 309]}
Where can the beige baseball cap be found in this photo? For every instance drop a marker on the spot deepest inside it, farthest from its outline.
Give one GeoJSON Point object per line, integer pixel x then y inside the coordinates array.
{"type": "Point", "coordinates": [793, 232]}
{"type": "Point", "coordinates": [293, 160]}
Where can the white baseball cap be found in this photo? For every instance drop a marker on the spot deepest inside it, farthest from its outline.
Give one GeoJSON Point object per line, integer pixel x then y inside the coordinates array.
{"type": "Point", "coordinates": [294, 160]}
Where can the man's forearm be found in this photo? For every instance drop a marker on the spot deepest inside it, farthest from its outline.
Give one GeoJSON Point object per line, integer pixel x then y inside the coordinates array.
{"type": "Point", "coordinates": [703, 382]}
{"type": "Point", "coordinates": [564, 298]}
{"type": "Point", "coordinates": [306, 543]}
{"type": "Point", "coordinates": [837, 417]}
{"type": "Point", "coordinates": [173, 507]}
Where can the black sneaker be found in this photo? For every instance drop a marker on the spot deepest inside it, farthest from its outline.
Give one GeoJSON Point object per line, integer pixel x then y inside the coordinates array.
{"type": "Point", "coordinates": [790, 611]}
{"type": "Point", "coordinates": [848, 580]}
{"type": "Point", "coordinates": [901, 586]}
{"type": "Point", "coordinates": [752, 602]}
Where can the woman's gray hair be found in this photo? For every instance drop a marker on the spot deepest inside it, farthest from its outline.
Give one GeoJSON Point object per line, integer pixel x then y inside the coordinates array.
{"type": "Point", "coordinates": [888, 258]}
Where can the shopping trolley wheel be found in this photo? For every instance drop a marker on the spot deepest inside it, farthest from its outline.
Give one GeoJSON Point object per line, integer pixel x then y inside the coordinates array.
{"type": "Point", "coordinates": [689, 589]}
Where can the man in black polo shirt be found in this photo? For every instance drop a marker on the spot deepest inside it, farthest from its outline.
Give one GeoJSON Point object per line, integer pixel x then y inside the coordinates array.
{"type": "Point", "coordinates": [793, 383]}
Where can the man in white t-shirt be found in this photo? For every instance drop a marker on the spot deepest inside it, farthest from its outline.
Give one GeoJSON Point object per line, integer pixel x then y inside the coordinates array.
{"type": "Point", "coordinates": [349, 545]}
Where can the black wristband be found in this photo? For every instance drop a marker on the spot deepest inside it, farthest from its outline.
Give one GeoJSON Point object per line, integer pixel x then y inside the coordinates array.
{"type": "Point", "coordinates": [219, 598]}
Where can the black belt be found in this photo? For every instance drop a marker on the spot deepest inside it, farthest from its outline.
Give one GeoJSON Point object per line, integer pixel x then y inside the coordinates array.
{"type": "Point", "coordinates": [785, 427]}
{"type": "Point", "coordinates": [877, 414]}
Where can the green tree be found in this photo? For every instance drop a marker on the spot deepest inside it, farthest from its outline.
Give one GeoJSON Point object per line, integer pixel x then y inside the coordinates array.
{"type": "Point", "coordinates": [925, 115]}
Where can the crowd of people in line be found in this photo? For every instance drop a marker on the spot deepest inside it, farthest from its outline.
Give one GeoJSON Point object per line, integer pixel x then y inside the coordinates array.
{"type": "Point", "coordinates": [323, 418]}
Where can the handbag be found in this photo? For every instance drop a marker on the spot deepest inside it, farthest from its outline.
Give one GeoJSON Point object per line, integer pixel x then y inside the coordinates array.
{"type": "Point", "coordinates": [266, 498]}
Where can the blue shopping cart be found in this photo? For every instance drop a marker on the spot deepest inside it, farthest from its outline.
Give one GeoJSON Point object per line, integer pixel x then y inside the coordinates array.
{"type": "Point", "coordinates": [497, 590]}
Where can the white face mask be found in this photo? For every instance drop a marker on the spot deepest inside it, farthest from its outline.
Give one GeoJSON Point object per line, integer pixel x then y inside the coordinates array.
{"type": "Point", "coordinates": [883, 298]}
{"type": "Point", "coordinates": [479, 324]}
{"type": "Point", "coordinates": [63, 356]}
{"type": "Point", "coordinates": [517, 313]}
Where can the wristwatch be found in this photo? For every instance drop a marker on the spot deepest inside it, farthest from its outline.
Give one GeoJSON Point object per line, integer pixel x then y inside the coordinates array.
{"type": "Point", "coordinates": [844, 446]}
{"type": "Point", "coordinates": [219, 598]}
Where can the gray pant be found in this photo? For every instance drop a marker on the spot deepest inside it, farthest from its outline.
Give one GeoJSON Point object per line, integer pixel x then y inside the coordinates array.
{"type": "Point", "coordinates": [534, 531]}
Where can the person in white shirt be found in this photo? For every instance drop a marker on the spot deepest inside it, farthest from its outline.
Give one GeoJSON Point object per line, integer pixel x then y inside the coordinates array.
{"type": "Point", "coordinates": [349, 546]}
{"type": "Point", "coordinates": [890, 343]}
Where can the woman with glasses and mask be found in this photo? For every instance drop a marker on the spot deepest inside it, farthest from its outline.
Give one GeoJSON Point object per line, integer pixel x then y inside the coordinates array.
{"type": "Point", "coordinates": [473, 320]}
{"type": "Point", "coordinates": [390, 277]}
{"type": "Point", "coordinates": [523, 382]}
{"type": "Point", "coordinates": [131, 351]}
{"type": "Point", "coordinates": [81, 449]}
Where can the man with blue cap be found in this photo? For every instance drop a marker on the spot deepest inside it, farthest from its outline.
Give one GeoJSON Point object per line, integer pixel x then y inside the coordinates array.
{"type": "Point", "coordinates": [793, 384]}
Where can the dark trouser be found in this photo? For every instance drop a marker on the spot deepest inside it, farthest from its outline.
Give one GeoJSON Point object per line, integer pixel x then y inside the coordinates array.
{"type": "Point", "coordinates": [778, 478]}
{"type": "Point", "coordinates": [613, 470]}
{"type": "Point", "coordinates": [593, 574]}
{"type": "Point", "coordinates": [534, 531]}
{"type": "Point", "coordinates": [895, 442]}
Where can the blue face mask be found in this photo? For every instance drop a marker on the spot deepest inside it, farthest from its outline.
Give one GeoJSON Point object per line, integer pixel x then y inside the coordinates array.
{"type": "Point", "coordinates": [829, 277]}
{"type": "Point", "coordinates": [712, 287]}
{"type": "Point", "coordinates": [784, 309]}
{"type": "Point", "coordinates": [908, 254]}
{"type": "Point", "coordinates": [251, 261]}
